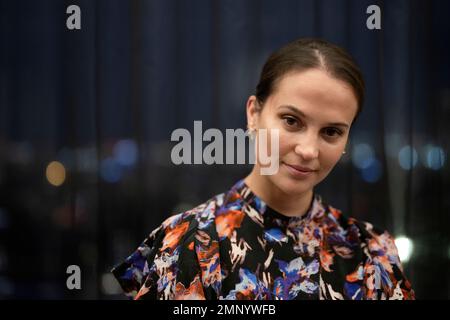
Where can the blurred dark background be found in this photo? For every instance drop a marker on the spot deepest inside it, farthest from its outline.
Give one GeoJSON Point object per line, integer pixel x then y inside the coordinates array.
{"type": "Point", "coordinates": [86, 117]}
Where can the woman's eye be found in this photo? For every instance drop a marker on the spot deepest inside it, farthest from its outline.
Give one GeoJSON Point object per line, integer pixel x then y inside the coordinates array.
{"type": "Point", "coordinates": [290, 121]}
{"type": "Point", "coordinates": [332, 132]}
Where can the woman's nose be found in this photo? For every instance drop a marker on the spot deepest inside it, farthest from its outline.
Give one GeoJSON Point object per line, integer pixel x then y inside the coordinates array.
{"type": "Point", "coordinates": [307, 148]}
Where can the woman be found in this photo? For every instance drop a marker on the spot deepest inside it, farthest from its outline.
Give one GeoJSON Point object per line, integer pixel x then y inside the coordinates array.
{"type": "Point", "coordinates": [271, 236]}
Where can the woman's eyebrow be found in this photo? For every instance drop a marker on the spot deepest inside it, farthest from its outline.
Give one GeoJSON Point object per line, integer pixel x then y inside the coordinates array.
{"type": "Point", "coordinates": [301, 114]}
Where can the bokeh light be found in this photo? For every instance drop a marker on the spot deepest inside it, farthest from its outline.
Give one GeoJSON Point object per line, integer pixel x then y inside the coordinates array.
{"type": "Point", "coordinates": [433, 157]}
{"type": "Point", "coordinates": [55, 173]}
{"type": "Point", "coordinates": [126, 152]}
{"type": "Point", "coordinates": [405, 248]}
{"type": "Point", "coordinates": [362, 155]}
{"type": "Point", "coordinates": [408, 157]}
{"type": "Point", "coordinates": [372, 171]}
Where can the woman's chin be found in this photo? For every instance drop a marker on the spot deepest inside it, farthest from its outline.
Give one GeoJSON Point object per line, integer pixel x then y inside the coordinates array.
{"type": "Point", "coordinates": [292, 187]}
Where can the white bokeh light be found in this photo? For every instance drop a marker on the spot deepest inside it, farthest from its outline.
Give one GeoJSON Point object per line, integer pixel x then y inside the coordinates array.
{"type": "Point", "coordinates": [405, 248]}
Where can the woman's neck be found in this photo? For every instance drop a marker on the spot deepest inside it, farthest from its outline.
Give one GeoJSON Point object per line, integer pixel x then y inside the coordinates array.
{"type": "Point", "coordinates": [286, 204]}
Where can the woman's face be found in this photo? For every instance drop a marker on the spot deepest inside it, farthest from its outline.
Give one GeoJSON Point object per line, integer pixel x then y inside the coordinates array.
{"type": "Point", "coordinates": [313, 113]}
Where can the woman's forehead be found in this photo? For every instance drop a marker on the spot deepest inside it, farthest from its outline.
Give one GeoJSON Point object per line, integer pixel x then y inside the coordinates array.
{"type": "Point", "coordinates": [314, 93]}
{"type": "Point", "coordinates": [314, 82]}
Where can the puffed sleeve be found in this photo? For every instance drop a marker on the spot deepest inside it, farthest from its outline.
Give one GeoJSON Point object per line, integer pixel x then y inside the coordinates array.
{"type": "Point", "coordinates": [384, 277]}
{"type": "Point", "coordinates": [134, 270]}
{"type": "Point", "coordinates": [165, 265]}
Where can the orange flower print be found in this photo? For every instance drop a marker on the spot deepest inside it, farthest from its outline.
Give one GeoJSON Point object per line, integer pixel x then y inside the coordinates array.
{"type": "Point", "coordinates": [174, 235]}
{"type": "Point", "coordinates": [228, 221]}
{"type": "Point", "coordinates": [194, 292]}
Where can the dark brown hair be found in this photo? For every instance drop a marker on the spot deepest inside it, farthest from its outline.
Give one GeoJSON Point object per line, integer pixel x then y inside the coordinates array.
{"type": "Point", "coordinates": [310, 53]}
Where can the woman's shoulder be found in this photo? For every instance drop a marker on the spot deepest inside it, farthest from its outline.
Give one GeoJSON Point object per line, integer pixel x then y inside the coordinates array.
{"type": "Point", "coordinates": [191, 217]}
{"type": "Point", "coordinates": [163, 248]}
{"type": "Point", "coordinates": [379, 267]}
{"type": "Point", "coordinates": [368, 234]}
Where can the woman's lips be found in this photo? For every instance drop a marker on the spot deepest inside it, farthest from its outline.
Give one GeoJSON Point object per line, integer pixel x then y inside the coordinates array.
{"type": "Point", "coordinates": [298, 171]}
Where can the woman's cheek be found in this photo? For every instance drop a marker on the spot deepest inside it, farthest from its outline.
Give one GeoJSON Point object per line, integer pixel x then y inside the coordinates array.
{"type": "Point", "coordinates": [284, 145]}
{"type": "Point", "coordinates": [329, 160]}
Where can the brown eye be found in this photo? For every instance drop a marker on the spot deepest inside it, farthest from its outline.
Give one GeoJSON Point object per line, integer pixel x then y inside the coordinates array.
{"type": "Point", "coordinates": [333, 132]}
{"type": "Point", "coordinates": [290, 121]}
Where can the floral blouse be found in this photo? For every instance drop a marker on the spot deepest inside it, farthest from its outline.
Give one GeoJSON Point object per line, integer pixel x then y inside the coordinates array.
{"type": "Point", "coordinates": [234, 246]}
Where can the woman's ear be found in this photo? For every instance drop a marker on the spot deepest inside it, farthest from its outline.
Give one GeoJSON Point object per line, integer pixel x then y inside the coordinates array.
{"type": "Point", "coordinates": [252, 112]}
